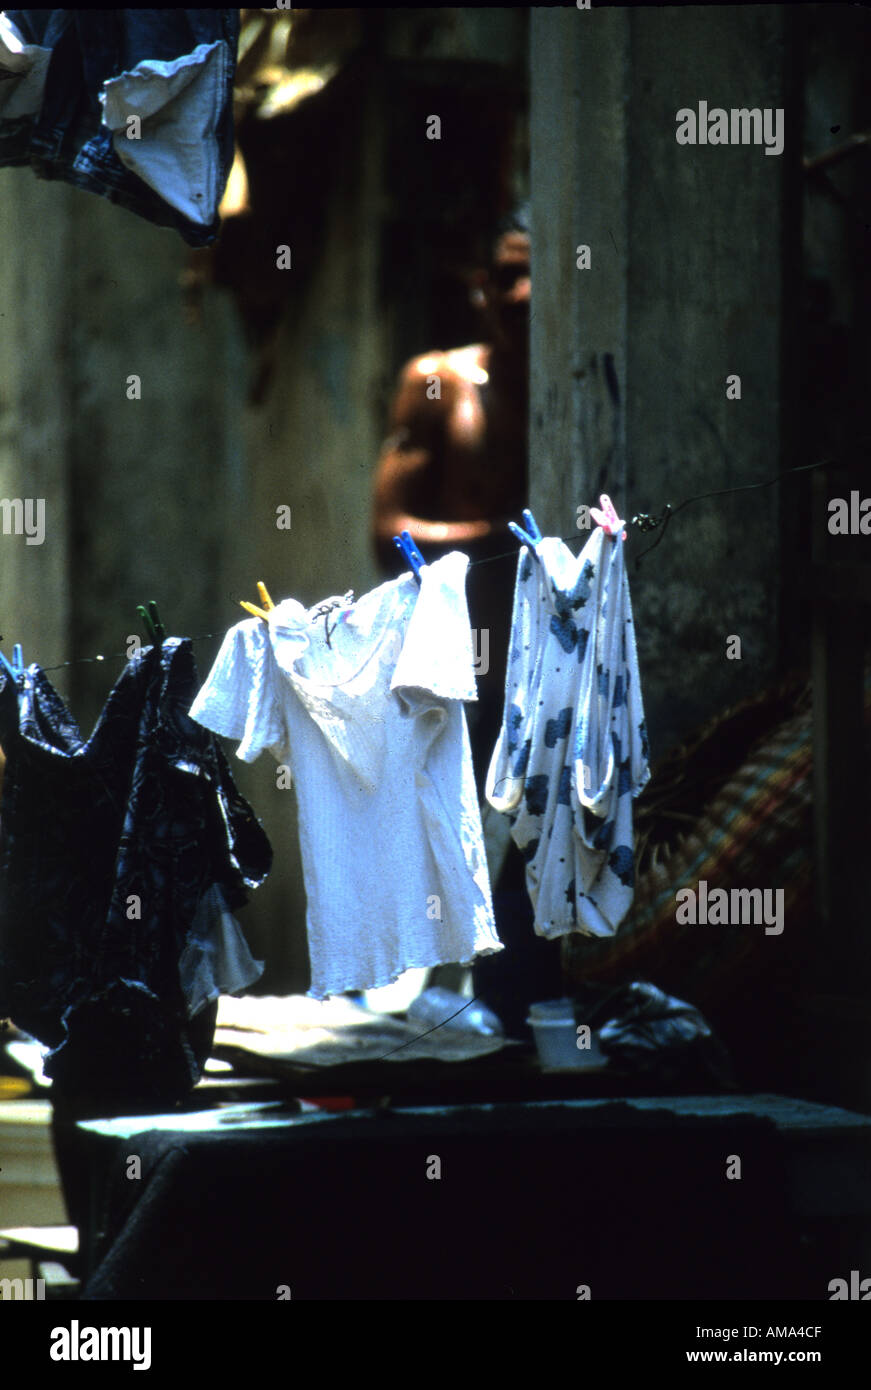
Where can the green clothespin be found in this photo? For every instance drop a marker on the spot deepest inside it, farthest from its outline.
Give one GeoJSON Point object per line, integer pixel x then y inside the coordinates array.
{"type": "Point", "coordinates": [154, 628]}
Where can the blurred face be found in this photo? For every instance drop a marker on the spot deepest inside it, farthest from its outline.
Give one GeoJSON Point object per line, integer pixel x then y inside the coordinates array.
{"type": "Point", "coordinates": [507, 292]}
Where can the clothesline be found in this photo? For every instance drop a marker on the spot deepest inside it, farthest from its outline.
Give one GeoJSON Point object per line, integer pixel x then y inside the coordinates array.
{"type": "Point", "coordinates": [643, 520]}
{"type": "Point", "coordinates": [563, 709]}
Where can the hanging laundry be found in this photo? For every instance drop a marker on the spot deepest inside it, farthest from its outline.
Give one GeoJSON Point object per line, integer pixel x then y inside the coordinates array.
{"type": "Point", "coordinates": [114, 850]}
{"type": "Point", "coordinates": [134, 105]}
{"type": "Point", "coordinates": [364, 709]}
{"type": "Point", "coordinates": [572, 753]}
{"type": "Point", "coordinates": [216, 959]}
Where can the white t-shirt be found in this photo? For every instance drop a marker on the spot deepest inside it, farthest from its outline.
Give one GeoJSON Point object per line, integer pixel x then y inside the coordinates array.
{"type": "Point", "coordinates": [572, 752]}
{"type": "Point", "coordinates": [373, 732]}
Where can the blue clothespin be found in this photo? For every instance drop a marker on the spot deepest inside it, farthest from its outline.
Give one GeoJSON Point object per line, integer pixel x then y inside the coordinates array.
{"type": "Point", "coordinates": [531, 536]}
{"type": "Point", "coordinates": [17, 659]}
{"type": "Point", "coordinates": [413, 556]}
{"type": "Point", "coordinates": [7, 668]}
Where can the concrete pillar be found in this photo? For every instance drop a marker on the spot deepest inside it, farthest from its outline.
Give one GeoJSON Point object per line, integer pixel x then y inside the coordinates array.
{"type": "Point", "coordinates": [685, 287]}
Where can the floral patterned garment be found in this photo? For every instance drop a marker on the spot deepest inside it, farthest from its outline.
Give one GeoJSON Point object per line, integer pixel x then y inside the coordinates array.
{"type": "Point", "coordinates": [109, 848]}
{"type": "Point", "coordinates": [572, 753]}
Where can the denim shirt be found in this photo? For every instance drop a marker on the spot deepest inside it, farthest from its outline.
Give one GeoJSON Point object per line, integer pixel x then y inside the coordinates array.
{"type": "Point", "coordinates": [109, 848]}
{"type": "Point", "coordinates": [71, 80]}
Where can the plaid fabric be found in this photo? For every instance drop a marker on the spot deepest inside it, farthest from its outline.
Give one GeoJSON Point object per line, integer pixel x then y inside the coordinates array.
{"type": "Point", "coordinates": [756, 830]}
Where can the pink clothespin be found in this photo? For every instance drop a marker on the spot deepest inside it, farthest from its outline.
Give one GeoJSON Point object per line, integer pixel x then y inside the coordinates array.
{"type": "Point", "coordinates": [607, 518]}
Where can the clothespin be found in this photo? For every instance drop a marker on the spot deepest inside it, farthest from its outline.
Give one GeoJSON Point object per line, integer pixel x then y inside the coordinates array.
{"type": "Point", "coordinates": [154, 628]}
{"type": "Point", "coordinates": [17, 659]}
{"type": "Point", "coordinates": [531, 536]}
{"type": "Point", "coordinates": [412, 555]}
{"type": "Point", "coordinates": [7, 668]}
{"type": "Point", "coordinates": [607, 518]}
{"type": "Point", "coordinates": [268, 605]}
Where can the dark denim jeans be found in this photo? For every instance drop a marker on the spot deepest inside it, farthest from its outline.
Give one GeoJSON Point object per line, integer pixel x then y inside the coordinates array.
{"type": "Point", "coordinates": [70, 81]}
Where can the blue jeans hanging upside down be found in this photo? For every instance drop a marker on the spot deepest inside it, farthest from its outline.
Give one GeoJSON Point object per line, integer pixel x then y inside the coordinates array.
{"type": "Point", "coordinates": [133, 105]}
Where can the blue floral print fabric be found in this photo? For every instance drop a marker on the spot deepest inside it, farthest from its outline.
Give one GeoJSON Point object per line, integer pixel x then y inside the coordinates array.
{"type": "Point", "coordinates": [572, 753]}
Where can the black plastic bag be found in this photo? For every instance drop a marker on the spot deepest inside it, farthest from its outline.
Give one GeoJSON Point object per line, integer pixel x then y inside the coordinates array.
{"type": "Point", "coordinates": [644, 1030]}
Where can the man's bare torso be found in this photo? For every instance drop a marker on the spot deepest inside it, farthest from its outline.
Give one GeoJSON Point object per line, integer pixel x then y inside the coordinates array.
{"type": "Point", "coordinates": [456, 456]}
{"type": "Point", "coordinates": [482, 448]}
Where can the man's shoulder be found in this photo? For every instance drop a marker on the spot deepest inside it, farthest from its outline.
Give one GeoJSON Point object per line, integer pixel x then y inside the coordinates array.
{"type": "Point", "coordinates": [460, 365]}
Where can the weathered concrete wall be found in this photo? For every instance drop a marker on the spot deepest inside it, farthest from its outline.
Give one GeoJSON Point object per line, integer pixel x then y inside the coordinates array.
{"type": "Point", "coordinates": [685, 287]}
{"type": "Point", "coordinates": [35, 391]}
{"type": "Point", "coordinates": [153, 480]}
{"type": "Point", "coordinates": [578, 174]}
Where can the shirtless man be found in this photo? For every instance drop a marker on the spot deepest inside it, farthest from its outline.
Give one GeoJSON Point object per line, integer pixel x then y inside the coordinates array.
{"type": "Point", "coordinates": [453, 471]}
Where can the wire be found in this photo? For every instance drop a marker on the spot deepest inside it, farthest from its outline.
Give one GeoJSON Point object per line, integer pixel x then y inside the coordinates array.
{"type": "Point", "coordinates": [643, 520]}
{"type": "Point", "coordinates": [412, 1041]}
{"type": "Point", "coordinates": [125, 656]}
{"type": "Point", "coordinates": [670, 511]}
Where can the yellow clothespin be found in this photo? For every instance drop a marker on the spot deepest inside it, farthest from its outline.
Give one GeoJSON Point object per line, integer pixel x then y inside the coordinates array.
{"type": "Point", "coordinates": [268, 605]}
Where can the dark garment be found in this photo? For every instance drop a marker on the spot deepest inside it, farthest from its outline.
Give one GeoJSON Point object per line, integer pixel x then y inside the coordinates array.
{"type": "Point", "coordinates": [109, 847]}
{"type": "Point", "coordinates": [174, 168]}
